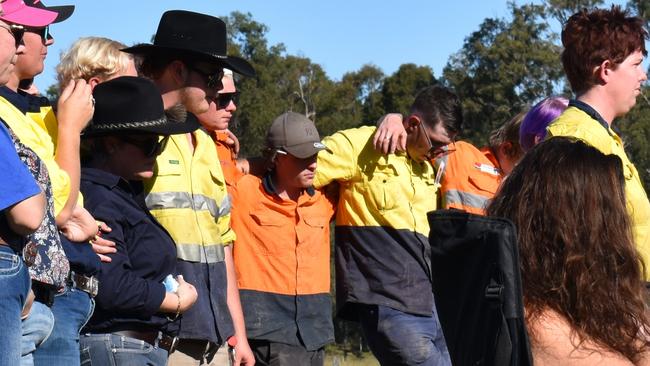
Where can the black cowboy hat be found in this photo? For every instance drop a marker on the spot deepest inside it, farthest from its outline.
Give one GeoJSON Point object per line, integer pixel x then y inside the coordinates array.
{"type": "Point", "coordinates": [63, 11]}
{"type": "Point", "coordinates": [194, 34]}
{"type": "Point", "coordinates": [130, 104]}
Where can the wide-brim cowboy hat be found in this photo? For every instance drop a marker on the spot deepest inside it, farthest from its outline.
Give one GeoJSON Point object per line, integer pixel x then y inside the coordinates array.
{"type": "Point", "coordinates": [130, 104]}
{"type": "Point", "coordinates": [198, 35]}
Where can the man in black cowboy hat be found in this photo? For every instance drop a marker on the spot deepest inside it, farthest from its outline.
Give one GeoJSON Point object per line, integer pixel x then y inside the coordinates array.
{"type": "Point", "coordinates": [188, 193]}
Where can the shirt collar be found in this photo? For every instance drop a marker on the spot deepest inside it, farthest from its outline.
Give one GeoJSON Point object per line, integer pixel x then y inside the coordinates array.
{"type": "Point", "coordinates": [18, 101]}
{"type": "Point", "coordinates": [23, 101]}
{"type": "Point", "coordinates": [108, 180]}
{"type": "Point", "coordinates": [269, 186]}
{"type": "Point", "coordinates": [591, 112]}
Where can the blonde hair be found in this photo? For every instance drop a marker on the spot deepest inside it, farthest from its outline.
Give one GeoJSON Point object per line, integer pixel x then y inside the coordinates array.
{"type": "Point", "coordinates": [92, 57]}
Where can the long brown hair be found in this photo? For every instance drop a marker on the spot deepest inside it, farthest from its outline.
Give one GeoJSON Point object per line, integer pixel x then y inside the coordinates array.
{"type": "Point", "coordinates": [576, 251]}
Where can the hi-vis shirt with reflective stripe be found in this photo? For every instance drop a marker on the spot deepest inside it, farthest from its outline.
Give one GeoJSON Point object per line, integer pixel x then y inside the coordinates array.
{"type": "Point", "coordinates": [188, 196]}
{"type": "Point", "coordinates": [470, 179]}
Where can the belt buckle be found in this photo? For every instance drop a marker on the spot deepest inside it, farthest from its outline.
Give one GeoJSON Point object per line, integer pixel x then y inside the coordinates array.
{"type": "Point", "coordinates": [93, 286]}
{"type": "Point", "coordinates": [174, 344]}
{"type": "Point", "coordinates": [165, 340]}
{"type": "Point", "coordinates": [88, 284]}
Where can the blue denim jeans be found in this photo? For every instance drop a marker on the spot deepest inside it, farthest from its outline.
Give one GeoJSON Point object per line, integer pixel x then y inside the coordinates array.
{"type": "Point", "coordinates": [397, 338]}
{"type": "Point", "coordinates": [72, 309]}
{"type": "Point", "coordinates": [14, 286]}
{"type": "Point", "coordinates": [37, 327]}
{"type": "Point", "coordinates": [116, 350]}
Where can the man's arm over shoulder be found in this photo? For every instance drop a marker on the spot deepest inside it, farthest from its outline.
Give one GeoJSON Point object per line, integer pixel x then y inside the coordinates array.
{"type": "Point", "coordinates": [341, 163]}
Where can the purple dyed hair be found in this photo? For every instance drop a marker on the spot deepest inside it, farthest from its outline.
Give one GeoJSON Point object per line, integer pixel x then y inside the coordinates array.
{"type": "Point", "coordinates": [533, 127]}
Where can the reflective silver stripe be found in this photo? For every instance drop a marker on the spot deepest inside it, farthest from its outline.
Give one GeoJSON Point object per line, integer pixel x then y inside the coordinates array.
{"type": "Point", "coordinates": [225, 206]}
{"type": "Point", "coordinates": [197, 202]}
{"type": "Point", "coordinates": [439, 160]}
{"type": "Point", "coordinates": [465, 199]}
{"type": "Point", "coordinates": [200, 253]}
{"type": "Point", "coordinates": [437, 163]}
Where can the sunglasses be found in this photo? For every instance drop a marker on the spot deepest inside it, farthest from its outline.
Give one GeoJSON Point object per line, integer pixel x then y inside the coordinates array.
{"type": "Point", "coordinates": [212, 79]}
{"type": "Point", "coordinates": [224, 99]}
{"type": "Point", "coordinates": [150, 146]}
{"type": "Point", "coordinates": [438, 150]}
{"type": "Point", "coordinates": [44, 32]}
{"type": "Point", "coordinates": [16, 31]}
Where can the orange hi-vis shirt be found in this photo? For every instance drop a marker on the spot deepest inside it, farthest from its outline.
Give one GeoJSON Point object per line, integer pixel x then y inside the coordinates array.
{"type": "Point", "coordinates": [227, 158]}
{"type": "Point", "coordinates": [470, 178]}
{"type": "Point", "coordinates": [282, 261]}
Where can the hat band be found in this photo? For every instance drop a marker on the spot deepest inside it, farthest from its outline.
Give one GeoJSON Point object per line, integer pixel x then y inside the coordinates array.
{"type": "Point", "coordinates": [131, 125]}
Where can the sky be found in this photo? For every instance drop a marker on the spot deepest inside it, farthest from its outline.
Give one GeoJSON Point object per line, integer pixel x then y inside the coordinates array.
{"type": "Point", "coordinates": [340, 35]}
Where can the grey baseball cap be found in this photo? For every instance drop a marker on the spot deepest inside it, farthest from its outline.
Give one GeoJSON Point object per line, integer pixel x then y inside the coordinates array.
{"type": "Point", "coordinates": [295, 134]}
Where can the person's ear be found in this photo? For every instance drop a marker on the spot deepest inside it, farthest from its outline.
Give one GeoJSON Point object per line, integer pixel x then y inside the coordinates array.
{"type": "Point", "coordinates": [604, 71]}
{"type": "Point", "coordinates": [179, 72]}
{"type": "Point", "coordinates": [506, 148]}
{"type": "Point", "coordinates": [412, 123]}
{"type": "Point", "coordinates": [93, 81]}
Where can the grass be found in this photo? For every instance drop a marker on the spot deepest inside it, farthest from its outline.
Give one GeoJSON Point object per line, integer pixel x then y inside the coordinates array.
{"type": "Point", "coordinates": [334, 357]}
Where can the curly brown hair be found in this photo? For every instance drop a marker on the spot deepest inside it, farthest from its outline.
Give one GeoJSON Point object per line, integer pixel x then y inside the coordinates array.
{"type": "Point", "coordinates": [577, 256]}
{"type": "Point", "coordinates": [591, 37]}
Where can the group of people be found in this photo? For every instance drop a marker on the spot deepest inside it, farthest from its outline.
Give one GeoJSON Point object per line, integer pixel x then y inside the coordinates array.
{"type": "Point", "coordinates": [132, 234]}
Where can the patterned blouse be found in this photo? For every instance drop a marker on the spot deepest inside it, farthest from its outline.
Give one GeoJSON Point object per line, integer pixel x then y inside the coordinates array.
{"type": "Point", "coordinates": [43, 252]}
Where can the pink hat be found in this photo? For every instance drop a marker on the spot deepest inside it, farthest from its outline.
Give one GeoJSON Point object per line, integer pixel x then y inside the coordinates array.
{"type": "Point", "coordinates": [15, 11]}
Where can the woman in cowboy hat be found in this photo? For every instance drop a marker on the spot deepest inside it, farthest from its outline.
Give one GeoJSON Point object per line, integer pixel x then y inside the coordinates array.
{"type": "Point", "coordinates": [138, 299]}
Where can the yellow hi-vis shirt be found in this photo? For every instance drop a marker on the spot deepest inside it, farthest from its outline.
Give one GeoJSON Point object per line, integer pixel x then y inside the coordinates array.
{"type": "Point", "coordinates": [574, 122]}
{"type": "Point", "coordinates": [382, 248]}
{"type": "Point", "coordinates": [39, 134]}
{"type": "Point", "coordinates": [188, 196]}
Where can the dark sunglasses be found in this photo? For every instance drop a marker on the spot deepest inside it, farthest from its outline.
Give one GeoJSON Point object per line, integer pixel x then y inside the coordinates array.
{"type": "Point", "coordinates": [213, 80]}
{"type": "Point", "coordinates": [17, 31]}
{"type": "Point", "coordinates": [150, 146]}
{"type": "Point", "coordinates": [224, 99]}
{"type": "Point", "coordinates": [44, 32]}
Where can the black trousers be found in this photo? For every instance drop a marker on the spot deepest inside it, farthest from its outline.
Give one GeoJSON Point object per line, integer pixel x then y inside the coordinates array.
{"type": "Point", "coordinates": [279, 354]}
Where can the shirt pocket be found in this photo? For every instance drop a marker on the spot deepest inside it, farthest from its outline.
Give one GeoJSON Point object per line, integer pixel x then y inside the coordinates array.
{"type": "Point", "coordinates": [313, 236]}
{"type": "Point", "coordinates": [274, 234]}
{"type": "Point", "coordinates": [168, 167]}
{"type": "Point", "coordinates": [426, 191]}
{"type": "Point", "coordinates": [381, 188]}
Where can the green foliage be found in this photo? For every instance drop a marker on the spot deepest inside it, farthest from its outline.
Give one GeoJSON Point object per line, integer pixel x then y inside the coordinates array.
{"type": "Point", "coordinates": [52, 93]}
{"type": "Point", "coordinates": [504, 66]}
{"type": "Point", "coordinates": [563, 9]}
{"type": "Point", "coordinates": [635, 131]}
{"type": "Point", "coordinates": [399, 89]}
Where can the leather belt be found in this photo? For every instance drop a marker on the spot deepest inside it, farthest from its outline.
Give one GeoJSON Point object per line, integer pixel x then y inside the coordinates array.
{"type": "Point", "coordinates": [164, 341]}
{"type": "Point", "coordinates": [89, 284]}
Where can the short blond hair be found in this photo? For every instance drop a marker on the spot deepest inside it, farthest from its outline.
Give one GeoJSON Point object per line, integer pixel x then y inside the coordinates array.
{"type": "Point", "coordinates": [90, 57]}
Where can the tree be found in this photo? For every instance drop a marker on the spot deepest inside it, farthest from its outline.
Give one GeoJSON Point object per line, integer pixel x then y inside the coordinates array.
{"type": "Point", "coordinates": [563, 9]}
{"type": "Point", "coordinates": [504, 66]}
{"type": "Point", "coordinates": [635, 131]}
{"type": "Point", "coordinates": [399, 89]}
{"type": "Point", "coordinates": [287, 82]}
{"type": "Point", "coordinates": [363, 88]}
